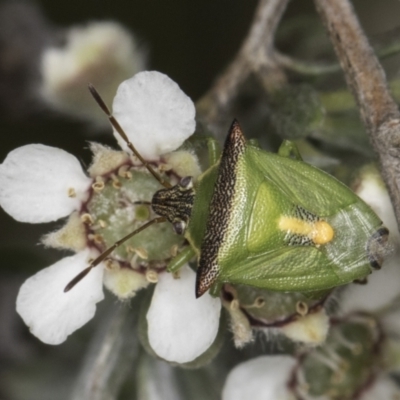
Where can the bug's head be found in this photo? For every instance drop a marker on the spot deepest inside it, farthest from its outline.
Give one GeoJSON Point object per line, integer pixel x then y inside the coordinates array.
{"type": "Point", "coordinates": [175, 203]}
{"type": "Point", "coordinates": [378, 247]}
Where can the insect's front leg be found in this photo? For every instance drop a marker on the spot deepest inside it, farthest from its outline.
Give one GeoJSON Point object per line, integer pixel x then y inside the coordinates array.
{"type": "Point", "coordinates": [289, 149]}
{"type": "Point", "coordinates": [254, 142]}
{"type": "Point", "coordinates": [215, 289]}
{"type": "Point", "coordinates": [181, 259]}
{"type": "Point", "coordinates": [214, 150]}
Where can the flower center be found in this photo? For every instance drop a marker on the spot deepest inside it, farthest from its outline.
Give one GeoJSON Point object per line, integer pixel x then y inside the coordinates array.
{"type": "Point", "coordinates": [119, 204]}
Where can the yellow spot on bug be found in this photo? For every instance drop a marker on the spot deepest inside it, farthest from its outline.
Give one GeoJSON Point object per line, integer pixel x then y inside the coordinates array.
{"type": "Point", "coordinates": [320, 232]}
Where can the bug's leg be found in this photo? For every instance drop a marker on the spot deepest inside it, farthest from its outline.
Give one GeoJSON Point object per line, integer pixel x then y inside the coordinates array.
{"type": "Point", "coordinates": [254, 143]}
{"type": "Point", "coordinates": [362, 281]}
{"type": "Point", "coordinates": [181, 259]}
{"type": "Point", "coordinates": [214, 150]}
{"type": "Point", "coordinates": [215, 289]}
{"type": "Point", "coordinates": [290, 150]}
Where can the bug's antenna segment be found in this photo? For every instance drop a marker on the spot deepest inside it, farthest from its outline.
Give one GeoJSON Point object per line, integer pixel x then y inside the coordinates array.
{"type": "Point", "coordinates": [122, 133]}
{"type": "Point", "coordinates": [77, 279]}
{"type": "Point", "coordinates": [106, 253]}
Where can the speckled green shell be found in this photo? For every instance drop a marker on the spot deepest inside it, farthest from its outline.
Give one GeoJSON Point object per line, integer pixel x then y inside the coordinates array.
{"type": "Point", "coordinates": [234, 225]}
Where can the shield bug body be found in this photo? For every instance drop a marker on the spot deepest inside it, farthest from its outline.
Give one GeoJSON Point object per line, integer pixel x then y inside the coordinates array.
{"type": "Point", "coordinates": [265, 220]}
{"type": "Point", "coordinates": [279, 224]}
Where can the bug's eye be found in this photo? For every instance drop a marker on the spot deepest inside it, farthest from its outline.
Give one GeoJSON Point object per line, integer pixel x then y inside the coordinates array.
{"type": "Point", "coordinates": [179, 227]}
{"type": "Point", "coordinates": [186, 182]}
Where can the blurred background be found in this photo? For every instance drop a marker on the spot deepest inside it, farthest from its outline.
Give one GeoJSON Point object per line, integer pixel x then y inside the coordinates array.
{"type": "Point", "coordinates": [192, 42]}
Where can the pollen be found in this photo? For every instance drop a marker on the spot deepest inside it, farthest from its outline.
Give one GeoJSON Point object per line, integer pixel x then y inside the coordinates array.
{"type": "Point", "coordinates": [301, 308]}
{"type": "Point", "coordinates": [164, 167]}
{"type": "Point", "coordinates": [320, 232]}
{"type": "Point", "coordinates": [98, 186]}
{"type": "Point", "coordinates": [71, 192]}
{"type": "Point", "coordinates": [174, 250]}
{"type": "Point", "coordinates": [124, 172]}
{"type": "Point", "coordinates": [141, 252]}
{"type": "Point", "coordinates": [87, 219]}
{"type": "Point", "coordinates": [151, 276]}
{"type": "Point", "coordinates": [103, 224]}
{"type": "Point", "coordinates": [115, 182]}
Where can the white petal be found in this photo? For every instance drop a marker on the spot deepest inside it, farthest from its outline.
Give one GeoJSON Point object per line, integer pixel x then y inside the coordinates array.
{"type": "Point", "coordinates": [383, 389]}
{"type": "Point", "coordinates": [181, 327]}
{"type": "Point", "coordinates": [35, 183]}
{"type": "Point", "coordinates": [50, 313]}
{"type": "Point", "coordinates": [311, 329]}
{"type": "Point", "coordinates": [261, 378]}
{"type": "Point", "coordinates": [103, 53]}
{"type": "Point", "coordinates": [154, 112]}
{"type": "Point", "coordinates": [390, 323]}
{"type": "Point", "coordinates": [382, 288]}
{"type": "Point", "coordinates": [373, 191]}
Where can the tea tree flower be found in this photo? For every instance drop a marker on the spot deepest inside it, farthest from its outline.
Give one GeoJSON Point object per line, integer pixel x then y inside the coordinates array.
{"type": "Point", "coordinates": [301, 319]}
{"type": "Point", "coordinates": [262, 378]}
{"type": "Point", "coordinates": [103, 53]}
{"type": "Point", "coordinates": [41, 184]}
{"type": "Point", "coordinates": [181, 308]}
{"type": "Point", "coordinates": [51, 314]}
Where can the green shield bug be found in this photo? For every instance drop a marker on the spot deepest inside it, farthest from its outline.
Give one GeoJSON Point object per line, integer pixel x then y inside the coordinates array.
{"type": "Point", "coordinates": [265, 220]}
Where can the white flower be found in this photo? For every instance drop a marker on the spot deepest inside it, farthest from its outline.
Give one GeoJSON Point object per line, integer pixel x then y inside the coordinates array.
{"type": "Point", "coordinates": [156, 124]}
{"type": "Point", "coordinates": [41, 184]}
{"type": "Point", "coordinates": [52, 314]}
{"type": "Point", "coordinates": [382, 289]}
{"type": "Point", "coordinates": [261, 378]}
{"type": "Point", "coordinates": [383, 388]}
{"type": "Point", "coordinates": [383, 286]}
{"type": "Point", "coordinates": [177, 344]}
{"type": "Point", "coordinates": [371, 188]}
{"type": "Point", "coordinates": [102, 53]}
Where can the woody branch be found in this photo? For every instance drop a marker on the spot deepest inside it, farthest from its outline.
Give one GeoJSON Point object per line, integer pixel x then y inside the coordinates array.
{"type": "Point", "coordinates": [366, 80]}
{"type": "Point", "coordinates": [256, 56]}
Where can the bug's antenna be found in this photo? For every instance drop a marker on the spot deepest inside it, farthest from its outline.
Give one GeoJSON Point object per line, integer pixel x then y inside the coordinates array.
{"type": "Point", "coordinates": [106, 253]}
{"type": "Point", "coordinates": [121, 132]}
